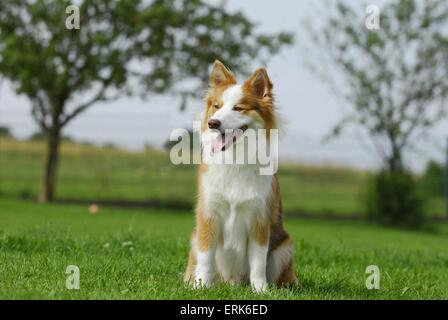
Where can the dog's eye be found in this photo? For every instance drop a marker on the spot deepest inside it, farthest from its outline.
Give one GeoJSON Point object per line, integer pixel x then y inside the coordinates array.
{"type": "Point", "coordinates": [216, 106]}
{"type": "Point", "coordinates": [237, 108]}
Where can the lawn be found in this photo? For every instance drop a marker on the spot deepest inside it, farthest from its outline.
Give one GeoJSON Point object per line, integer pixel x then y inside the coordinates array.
{"type": "Point", "coordinates": [89, 172]}
{"type": "Point", "coordinates": [141, 254]}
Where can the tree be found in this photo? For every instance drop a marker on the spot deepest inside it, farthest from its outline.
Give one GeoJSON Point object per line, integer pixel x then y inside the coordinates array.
{"type": "Point", "coordinates": [122, 47]}
{"type": "Point", "coordinates": [395, 82]}
{"type": "Point", "coordinates": [395, 79]}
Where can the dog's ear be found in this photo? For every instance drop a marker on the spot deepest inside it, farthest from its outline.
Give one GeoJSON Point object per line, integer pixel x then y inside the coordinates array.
{"type": "Point", "coordinates": [259, 83]}
{"type": "Point", "coordinates": [220, 75]}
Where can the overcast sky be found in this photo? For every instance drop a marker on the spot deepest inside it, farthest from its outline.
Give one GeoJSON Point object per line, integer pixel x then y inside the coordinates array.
{"type": "Point", "coordinates": [307, 105]}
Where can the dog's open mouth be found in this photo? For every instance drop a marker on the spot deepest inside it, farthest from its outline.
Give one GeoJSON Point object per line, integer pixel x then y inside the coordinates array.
{"type": "Point", "coordinates": [225, 140]}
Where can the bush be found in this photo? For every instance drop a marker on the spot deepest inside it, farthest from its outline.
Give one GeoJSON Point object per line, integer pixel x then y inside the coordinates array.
{"type": "Point", "coordinates": [5, 132]}
{"type": "Point", "coordinates": [433, 179]}
{"type": "Point", "coordinates": [42, 136]}
{"type": "Point", "coordinates": [37, 136]}
{"type": "Point", "coordinates": [393, 200]}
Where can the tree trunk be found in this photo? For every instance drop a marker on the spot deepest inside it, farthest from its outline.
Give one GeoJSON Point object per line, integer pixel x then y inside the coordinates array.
{"type": "Point", "coordinates": [395, 164]}
{"type": "Point", "coordinates": [51, 163]}
{"type": "Point", "coordinates": [395, 160]}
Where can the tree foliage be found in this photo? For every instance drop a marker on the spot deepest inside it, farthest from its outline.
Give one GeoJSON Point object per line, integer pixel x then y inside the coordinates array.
{"type": "Point", "coordinates": [156, 43]}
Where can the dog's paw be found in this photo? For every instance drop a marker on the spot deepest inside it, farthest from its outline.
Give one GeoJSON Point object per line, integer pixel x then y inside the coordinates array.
{"type": "Point", "coordinates": [259, 286]}
{"type": "Point", "coordinates": [202, 282]}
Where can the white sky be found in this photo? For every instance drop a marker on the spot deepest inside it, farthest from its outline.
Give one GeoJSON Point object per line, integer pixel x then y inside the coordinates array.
{"type": "Point", "coordinates": [307, 105]}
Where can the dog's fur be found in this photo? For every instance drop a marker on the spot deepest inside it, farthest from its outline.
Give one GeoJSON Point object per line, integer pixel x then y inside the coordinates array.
{"type": "Point", "coordinates": [239, 235]}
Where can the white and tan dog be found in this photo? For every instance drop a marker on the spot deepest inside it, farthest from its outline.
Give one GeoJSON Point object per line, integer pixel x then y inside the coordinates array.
{"type": "Point", "coordinates": [239, 235]}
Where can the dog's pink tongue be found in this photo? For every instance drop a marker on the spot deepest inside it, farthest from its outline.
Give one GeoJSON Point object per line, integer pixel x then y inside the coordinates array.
{"type": "Point", "coordinates": [221, 144]}
{"type": "Point", "coordinates": [217, 144]}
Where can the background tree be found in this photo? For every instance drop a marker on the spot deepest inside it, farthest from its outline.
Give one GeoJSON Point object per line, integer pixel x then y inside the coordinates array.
{"type": "Point", "coordinates": [394, 80]}
{"type": "Point", "coordinates": [395, 83]}
{"type": "Point", "coordinates": [122, 47]}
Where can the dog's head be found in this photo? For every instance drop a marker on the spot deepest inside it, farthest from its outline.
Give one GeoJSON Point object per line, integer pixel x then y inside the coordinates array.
{"type": "Point", "coordinates": [232, 108]}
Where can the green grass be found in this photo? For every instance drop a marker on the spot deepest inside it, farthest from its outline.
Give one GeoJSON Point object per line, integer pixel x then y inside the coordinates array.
{"type": "Point", "coordinates": [38, 242]}
{"type": "Point", "coordinates": [88, 172]}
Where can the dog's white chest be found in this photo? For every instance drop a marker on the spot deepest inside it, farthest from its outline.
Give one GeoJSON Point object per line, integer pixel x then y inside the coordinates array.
{"type": "Point", "coordinates": [236, 188]}
{"type": "Point", "coordinates": [236, 196]}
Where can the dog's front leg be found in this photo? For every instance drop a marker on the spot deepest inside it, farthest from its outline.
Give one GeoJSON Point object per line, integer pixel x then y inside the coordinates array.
{"type": "Point", "coordinates": [258, 253]}
{"type": "Point", "coordinates": [206, 248]}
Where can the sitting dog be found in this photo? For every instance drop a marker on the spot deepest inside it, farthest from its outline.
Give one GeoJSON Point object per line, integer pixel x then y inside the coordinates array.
{"type": "Point", "coordinates": [239, 235]}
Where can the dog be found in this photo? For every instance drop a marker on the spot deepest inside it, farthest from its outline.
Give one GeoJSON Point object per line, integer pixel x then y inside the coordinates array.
{"type": "Point", "coordinates": [239, 235]}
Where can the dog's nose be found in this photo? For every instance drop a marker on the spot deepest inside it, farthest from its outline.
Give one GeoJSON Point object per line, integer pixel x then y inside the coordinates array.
{"type": "Point", "coordinates": [214, 124]}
